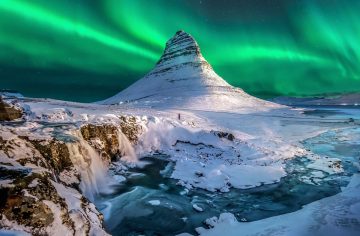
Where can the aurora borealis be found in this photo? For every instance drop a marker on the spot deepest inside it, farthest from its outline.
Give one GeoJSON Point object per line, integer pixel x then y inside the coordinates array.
{"type": "Point", "coordinates": [89, 50]}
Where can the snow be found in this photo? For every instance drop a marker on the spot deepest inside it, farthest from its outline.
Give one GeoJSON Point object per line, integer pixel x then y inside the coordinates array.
{"type": "Point", "coordinates": [197, 208]}
{"type": "Point", "coordinates": [154, 202]}
{"type": "Point", "coordinates": [77, 213]}
{"type": "Point", "coordinates": [336, 215]}
{"type": "Point", "coordinates": [119, 178]}
{"type": "Point", "coordinates": [6, 183]}
{"type": "Point", "coordinates": [57, 228]}
{"type": "Point", "coordinates": [34, 183]}
{"type": "Point", "coordinates": [184, 234]}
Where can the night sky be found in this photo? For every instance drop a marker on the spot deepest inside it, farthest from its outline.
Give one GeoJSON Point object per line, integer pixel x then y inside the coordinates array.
{"type": "Point", "coordinates": [84, 50]}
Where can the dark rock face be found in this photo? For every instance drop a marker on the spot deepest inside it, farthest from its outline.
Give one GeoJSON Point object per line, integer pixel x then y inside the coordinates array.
{"type": "Point", "coordinates": [130, 128]}
{"type": "Point", "coordinates": [181, 44]}
{"type": "Point", "coordinates": [103, 138]}
{"type": "Point", "coordinates": [8, 112]}
{"type": "Point", "coordinates": [181, 51]}
{"type": "Point", "coordinates": [24, 203]}
{"type": "Point", "coordinates": [11, 146]}
{"type": "Point", "coordinates": [55, 153]}
{"type": "Point", "coordinates": [27, 211]}
{"type": "Point", "coordinates": [221, 134]}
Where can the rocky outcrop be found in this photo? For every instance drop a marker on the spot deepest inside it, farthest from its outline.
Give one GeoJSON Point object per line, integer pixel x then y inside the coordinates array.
{"type": "Point", "coordinates": [222, 134]}
{"type": "Point", "coordinates": [35, 203]}
{"type": "Point", "coordinates": [39, 187]}
{"type": "Point", "coordinates": [25, 203]}
{"type": "Point", "coordinates": [55, 153]}
{"type": "Point", "coordinates": [105, 138]}
{"type": "Point", "coordinates": [130, 127]}
{"type": "Point", "coordinates": [9, 112]}
{"type": "Point", "coordinates": [45, 176]}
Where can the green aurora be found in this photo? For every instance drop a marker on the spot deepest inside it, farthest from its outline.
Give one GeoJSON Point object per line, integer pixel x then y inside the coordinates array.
{"type": "Point", "coordinates": [89, 50]}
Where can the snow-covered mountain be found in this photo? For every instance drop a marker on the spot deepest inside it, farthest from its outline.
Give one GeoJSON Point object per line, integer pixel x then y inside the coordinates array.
{"type": "Point", "coordinates": [183, 78]}
{"type": "Point", "coordinates": [351, 99]}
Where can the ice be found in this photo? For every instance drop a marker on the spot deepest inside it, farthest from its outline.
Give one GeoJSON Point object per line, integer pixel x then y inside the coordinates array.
{"type": "Point", "coordinates": [12, 233]}
{"type": "Point", "coordinates": [119, 178]}
{"type": "Point", "coordinates": [154, 202]}
{"type": "Point", "coordinates": [197, 208]}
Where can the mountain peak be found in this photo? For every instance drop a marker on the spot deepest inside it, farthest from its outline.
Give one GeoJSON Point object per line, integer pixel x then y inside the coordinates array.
{"type": "Point", "coordinates": [181, 50]}
{"type": "Point", "coordinates": [181, 43]}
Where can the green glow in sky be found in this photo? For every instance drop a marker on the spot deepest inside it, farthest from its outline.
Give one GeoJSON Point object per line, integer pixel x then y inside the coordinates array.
{"type": "Point", "coordinates": [269, 48]}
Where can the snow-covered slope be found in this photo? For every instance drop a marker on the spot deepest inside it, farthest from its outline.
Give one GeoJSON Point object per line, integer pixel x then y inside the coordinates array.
{"type": "Point", "coordinates": [182, 78]}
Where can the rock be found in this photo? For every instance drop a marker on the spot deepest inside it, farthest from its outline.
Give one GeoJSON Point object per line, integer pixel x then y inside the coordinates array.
{"type": "Point", "coordinates": [130, 128]}
{"type": "Point", "coordinates": [55, 152]}
{"type": "Point", "coordinates": [104, 138]}
{"type": "Point", "coordinates": [182, 44]}
{"type": "Point", "coordinates": [199, 174]}
{"type": "Point", "coordinates": [25, 205]}
{"type": "Point", "coordinates": [226, 135]}
{"type": "Point", "coordinates": [35, 197]}
{"type": "Point", "coordinates": [9, 112]}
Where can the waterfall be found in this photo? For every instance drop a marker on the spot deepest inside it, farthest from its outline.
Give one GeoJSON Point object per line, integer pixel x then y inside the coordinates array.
{"type": "Point", "coordinates": [93, 171]}
{"type": "Point", "coordinates": [125, 148]}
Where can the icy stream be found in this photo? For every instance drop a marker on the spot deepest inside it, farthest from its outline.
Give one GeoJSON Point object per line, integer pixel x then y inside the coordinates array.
{"type": "Point", "coordinates": [149, 202]}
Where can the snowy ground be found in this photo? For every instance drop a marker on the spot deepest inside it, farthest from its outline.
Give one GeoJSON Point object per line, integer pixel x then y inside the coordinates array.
{"type": "Point", "coordinates": [261, 141]}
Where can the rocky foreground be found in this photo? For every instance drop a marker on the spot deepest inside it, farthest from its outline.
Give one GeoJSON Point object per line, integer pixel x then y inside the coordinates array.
{"type": "Point", "coordinates": [43, 167]}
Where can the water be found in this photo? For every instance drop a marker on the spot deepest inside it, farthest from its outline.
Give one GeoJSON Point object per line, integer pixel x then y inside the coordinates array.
{"type": "Point", "coordinates": [130, 209]}
{"type": "Point", "coordinates": [93, 170]}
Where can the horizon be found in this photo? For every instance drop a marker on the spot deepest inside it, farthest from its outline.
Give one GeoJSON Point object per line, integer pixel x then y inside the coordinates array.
{"type": "Point", "coordinates": [267, 48]}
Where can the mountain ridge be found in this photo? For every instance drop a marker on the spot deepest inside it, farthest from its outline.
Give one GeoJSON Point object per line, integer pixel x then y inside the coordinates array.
{"type": "Point", "coordinates": [349, 99]}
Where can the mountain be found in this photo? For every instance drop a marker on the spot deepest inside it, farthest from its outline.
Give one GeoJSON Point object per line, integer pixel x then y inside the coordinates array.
{"type": "Point", "coordinates": [182, 78]}
{"type": "Point", "coordinates": [351, 99]}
